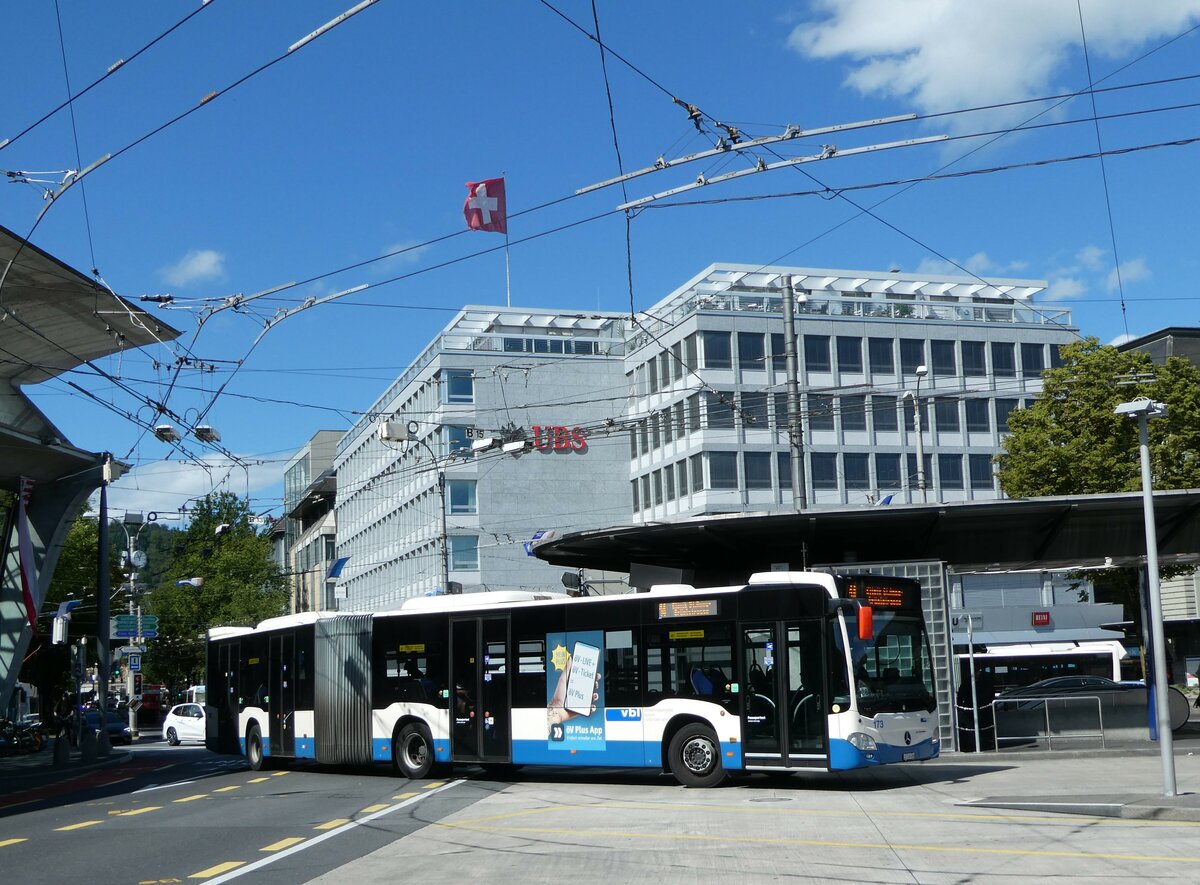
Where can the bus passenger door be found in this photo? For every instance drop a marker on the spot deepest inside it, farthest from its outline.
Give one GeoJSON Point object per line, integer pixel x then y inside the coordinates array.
{"type": "Point", "coordinates": [783, 722]}
{"type": "Point", "coordinates": [222, 704]}
{"type": "Point", "coordinates": [479, 669]}
{"type": "Point", "coordinates": [282, 692]}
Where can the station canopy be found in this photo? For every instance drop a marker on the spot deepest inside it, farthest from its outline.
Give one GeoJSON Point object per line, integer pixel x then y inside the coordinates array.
{"type": "Point", "coordinates": [1033, 533]}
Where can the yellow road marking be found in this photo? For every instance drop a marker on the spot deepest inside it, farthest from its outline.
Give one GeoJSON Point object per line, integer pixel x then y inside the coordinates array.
{"type": "Point", "coordinates": [4, 842]}
{"type": "Point", "coordinates": [78, 826]}
{"type": "Point", "coordinates": [333, 824]}
{"type": "Point", "coordinates": [138, 811]}
{"type": "Point", "coordinates": [822, 843]}
{"type": "Point", "coordinates": [218, 869]}
{"type": "Point", "coordinates": [372, 808]}
{"type": "Point", "coordinates": [279, 774]}
{"type": "Point", "coordinates": [193, 798]}
{"type": "Point", "coordinates": [434, 785]}
{"type": "Point", "coordinates": [404, 796]}
{"type": "Point", "coordinates": [282, 844]}
{"type": "Point", "coordinates": [234, 787]}
{"type": "Point", "coordinates": [257, 780]}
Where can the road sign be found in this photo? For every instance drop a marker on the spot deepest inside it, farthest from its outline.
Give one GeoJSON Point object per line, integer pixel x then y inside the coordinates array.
{"type": "Point", "coordinates": [125, 634]}
{"type": "Point", "coordinates": [135, 663]}
{"type": "Point", "coordinates": [149, 634]}
{"type": "Point", "coordinates": [149, 622]}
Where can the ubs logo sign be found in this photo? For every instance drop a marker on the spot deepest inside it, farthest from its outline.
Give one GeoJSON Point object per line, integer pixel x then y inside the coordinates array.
{"type": "Point", "coordinates": [552, 438]}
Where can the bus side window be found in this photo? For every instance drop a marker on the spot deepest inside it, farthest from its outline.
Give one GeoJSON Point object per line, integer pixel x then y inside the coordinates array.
{"type": "Point", "coordinates": [529, 687]}
{"type": "Point", "coordinates": [622, 677]}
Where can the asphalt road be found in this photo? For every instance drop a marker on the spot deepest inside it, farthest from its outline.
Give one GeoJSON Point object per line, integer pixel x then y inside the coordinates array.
{"type": "Point", "coordinates": [177, 814]}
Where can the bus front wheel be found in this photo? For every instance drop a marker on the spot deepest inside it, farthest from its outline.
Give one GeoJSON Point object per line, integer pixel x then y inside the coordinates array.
{"type": "Point", "coordinates": [254, 748]}
{"type": "Point", "coordinates": [695, 757]}
{"type": "Point", "coordinates": [412, 751]}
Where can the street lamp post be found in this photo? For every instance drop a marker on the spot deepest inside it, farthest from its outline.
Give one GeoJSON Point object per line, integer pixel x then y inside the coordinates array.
{"type": "Point", "coordinates": [1143, 409]}
{"type": "Point", "coordinates": [394, 432]}
{"type": "Point", "coordinates": [916, 398]}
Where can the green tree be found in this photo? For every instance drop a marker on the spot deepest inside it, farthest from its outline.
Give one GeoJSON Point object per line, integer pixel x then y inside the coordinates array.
{"type": "Point", "coordinates": [1070, 441]}
{"type": "Point", "coordinates": [240, 585]}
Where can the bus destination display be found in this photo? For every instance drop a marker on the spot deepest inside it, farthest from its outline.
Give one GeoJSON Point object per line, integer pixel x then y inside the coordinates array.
{"type": "Point", "coordinates": [884, 596]}
{"type": "Point", "coordinates": [688, 608]}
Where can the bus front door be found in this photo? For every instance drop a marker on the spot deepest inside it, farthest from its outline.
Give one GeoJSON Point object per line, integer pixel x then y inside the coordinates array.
{"type": "Point", "coordinates": [481, 706]}
{"type": "Point", "coordinates": [783, 719]}
{"type": "Point", "coordinates": [281, 688]}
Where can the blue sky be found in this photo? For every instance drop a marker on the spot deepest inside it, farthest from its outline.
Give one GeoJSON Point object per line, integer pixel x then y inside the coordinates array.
{"type": "Point", "coordinates": [359, 144]}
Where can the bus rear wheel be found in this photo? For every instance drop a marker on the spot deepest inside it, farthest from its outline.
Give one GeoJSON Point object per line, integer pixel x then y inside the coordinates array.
{"type": "Point", "coordinates": [695, 757]}
{"type": "Point", "coordinates": [412, 751]}
{"type": "Point", "coordinates": [254, 749]}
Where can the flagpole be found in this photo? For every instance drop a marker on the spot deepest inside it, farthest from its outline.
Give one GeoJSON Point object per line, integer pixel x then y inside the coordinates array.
{"type": "Point", "coordinates": [507, 271]}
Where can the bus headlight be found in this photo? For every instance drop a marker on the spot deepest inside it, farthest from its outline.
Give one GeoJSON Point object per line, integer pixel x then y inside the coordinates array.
{"type": "Point", "coordinates": [863, 742]}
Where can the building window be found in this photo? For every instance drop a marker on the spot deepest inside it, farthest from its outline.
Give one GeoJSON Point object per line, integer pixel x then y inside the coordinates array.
{"type": "Point", "coordinates": [824, 470]}
{"type": "Point", "coordinates": [681, 477]}
{"type": "Point", "coordinates": [978, 420]}
{"type": "Point", "coordinates": [668, 426]}
{"type": "Point", "coordinates": [945, 410]}
{"type": "Point", "coordinates": [461, 493]}
{"type": "Point", "coordinates": [887, 471]}
{"type": "Point", "coordinates": [944, 363]}
{"type": "Point", "coordinates": [633, 446]}
{"type": "Point", "coordinates": [752, 351]}
{"type": "Point", "coordinates": [655, 437]}
{"type": "Point", "coordinates": [689, 352]}
{"type": "Point", "coordinates": [1004, 360]}
{"type": "Point", "coordinates": [820, 411]}
{"type": "Point", "coordinates": [693, 412]}
{"type": "Point", "coordinates": [783, 463]}
{"type": "Point", "coordinates": [880, 355]}
{"type": "Point", "coordinates": [855, 466]}
{"type": "Point", "coordinates": [758, 470]}
{"type": "Point", "coordinates": [463, 552]}
{"type": "Point", "coordinates": [1004, 408]}
{"type": "Point", "coordinates": [854, 413]}
{"type": "Point", "coordinates": [883, 413]}
{"type": "Point", "coordinates": [778, 352]}
{"type": "Point", "coordinates": [849, 354]}
{"type": "Point", "coordinates": [912, 355]}
{"type": "Point", "coordinates": [717, 348]}
{"type": "Point", "coordinates": [974, 359]}
{"type": "Point", "coordinates": [669, 482]}
{"type": "Point", "coordinates": [644, 435]}
{"type": "Point", "coordinates": [816, 353]}
{"type": "Point", "coordinates": [652, 376]}
{"type": "Point", "coordinates": [1033, 360]}
{"type": "Point", "coordinates": [646, 491]}
{"type": "Point", "coordinates": [754, 410]}
{"type": "Point", "coordinates": [981, 471]}
{"type": "Point", "coordinates": [722, 470]}
{"type": "Point", "coordinates": [456, 441]}
{"type": "Point", "coordinates": [1056, 358]}
{"type": "Point", "coordinates": [634, 487]}
{"type": "Point", "coordinates": [459, 385]}
{"type": "Point", "coordinates": [950, 472]}
{"type": "Point", "coordinates": [657, 484]}
{"type": "Point", "coordinates": [696, 468]}
{"type": "Point", "coordinates": [719, 406]}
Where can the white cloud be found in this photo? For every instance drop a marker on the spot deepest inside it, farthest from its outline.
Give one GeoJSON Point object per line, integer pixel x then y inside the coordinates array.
{"type": "Point", "coordinates": [1091, 257]}
{"type": "Point", "coordinates": [1131, 272]}
{"type": "Point", "coordinates": [979, 263]}
{"type": "Point", "coordinates": [1063, 288]}
{"type": "Point", "coordinates": [947, 54]}
{"type": "Point", "coordinates": [1121, 339]}
{"type": "Point", "coordinates": [410, 251]}
{"type": "Point", "coordinates": [198, 265]}
{"type": "Point", "coordinates": [162, 487]}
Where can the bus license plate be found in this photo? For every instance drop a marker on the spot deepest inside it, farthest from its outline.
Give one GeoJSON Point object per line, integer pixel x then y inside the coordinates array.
{"type": "Point", "coordinates": [909, 757]}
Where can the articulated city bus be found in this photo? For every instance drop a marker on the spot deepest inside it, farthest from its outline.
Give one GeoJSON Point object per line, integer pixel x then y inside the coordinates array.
{"type": "Point", "coordinates": [791, 671]}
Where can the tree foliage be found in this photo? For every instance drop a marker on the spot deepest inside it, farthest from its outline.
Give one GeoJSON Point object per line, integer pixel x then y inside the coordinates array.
{"type": "Point", "coordinates": [1071, 442]}
{"type": "Point", "coordinates": [241, 585]}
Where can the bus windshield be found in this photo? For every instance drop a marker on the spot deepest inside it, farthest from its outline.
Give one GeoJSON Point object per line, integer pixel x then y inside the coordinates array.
{"type": "Point", "coordinates": [892, 672]}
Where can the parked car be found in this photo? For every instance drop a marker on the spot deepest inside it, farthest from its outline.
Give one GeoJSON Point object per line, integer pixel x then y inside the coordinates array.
{"type": "Point", "coordinates": [1067, 685]}
{"type": "Point", "coordinates": [184, 722]}
{"type": "Point", "coordinates": [117, 728]}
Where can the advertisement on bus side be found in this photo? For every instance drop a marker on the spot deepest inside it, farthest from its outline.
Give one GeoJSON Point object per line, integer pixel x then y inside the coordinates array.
{"type": "Point", "coordinates": [575, 690]}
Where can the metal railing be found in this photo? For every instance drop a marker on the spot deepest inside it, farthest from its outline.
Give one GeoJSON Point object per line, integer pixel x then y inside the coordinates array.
{"type": "Point", "coordinates": [1049, 735]}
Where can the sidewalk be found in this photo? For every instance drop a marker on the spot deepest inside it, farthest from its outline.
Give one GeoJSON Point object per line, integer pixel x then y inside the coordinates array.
{"type": "Point", "coordinates": [25, 772]}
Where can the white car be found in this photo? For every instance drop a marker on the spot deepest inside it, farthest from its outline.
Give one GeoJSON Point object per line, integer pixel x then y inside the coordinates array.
{"type": "Point", "coordinates": [184, 722]}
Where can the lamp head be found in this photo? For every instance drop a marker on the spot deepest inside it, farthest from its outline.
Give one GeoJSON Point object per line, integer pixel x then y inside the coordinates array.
{"type": "Point", "coordinates": [921, 371]}
{"type": "Point", "coordinates": [1141, 407]}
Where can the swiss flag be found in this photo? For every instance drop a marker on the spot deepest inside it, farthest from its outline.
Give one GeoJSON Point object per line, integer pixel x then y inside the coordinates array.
{"type": "Point", "coordinates": [484, 208]}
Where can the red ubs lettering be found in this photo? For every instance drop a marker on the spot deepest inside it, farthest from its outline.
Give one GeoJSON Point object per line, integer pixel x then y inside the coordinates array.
{"type": "Point", "coordinates": [559, 439]}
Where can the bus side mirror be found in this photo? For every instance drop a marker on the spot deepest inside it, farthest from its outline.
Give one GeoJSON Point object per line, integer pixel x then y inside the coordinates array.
{"type": "Point", "coordinates": [866, 623]}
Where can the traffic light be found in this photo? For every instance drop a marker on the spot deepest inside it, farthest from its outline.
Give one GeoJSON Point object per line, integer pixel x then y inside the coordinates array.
{"type": "Point", "coordinates": [137, 685]}
{"type": "Point", "coordinates": [115, 676]}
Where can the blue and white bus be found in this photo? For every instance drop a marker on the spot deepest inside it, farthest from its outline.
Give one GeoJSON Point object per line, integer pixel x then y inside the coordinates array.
{"type": "Point", "coordinates": [791, 671]}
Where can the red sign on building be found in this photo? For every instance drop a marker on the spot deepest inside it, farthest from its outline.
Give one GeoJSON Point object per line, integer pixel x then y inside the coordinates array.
{"type": "Point", "coordinates": [1041, 619]}
{"type": "Point", "coordinates": [548, 438]}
